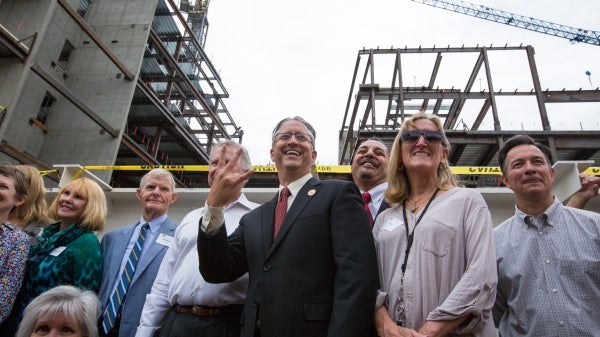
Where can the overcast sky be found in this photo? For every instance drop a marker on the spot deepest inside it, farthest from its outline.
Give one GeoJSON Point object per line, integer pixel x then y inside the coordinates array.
{"type": "Point", "coordinates": [281, 58]}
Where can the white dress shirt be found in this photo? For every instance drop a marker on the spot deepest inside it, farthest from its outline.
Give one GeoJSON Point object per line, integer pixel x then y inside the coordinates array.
{"type": "Point", "coordinates": [377, 196]}
{"type": "Point", "coordinates": [179, 281]}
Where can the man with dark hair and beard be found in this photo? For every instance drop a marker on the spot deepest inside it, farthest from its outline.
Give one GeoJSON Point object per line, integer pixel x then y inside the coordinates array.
{"type": "Point", "coordinates": [369, 172]}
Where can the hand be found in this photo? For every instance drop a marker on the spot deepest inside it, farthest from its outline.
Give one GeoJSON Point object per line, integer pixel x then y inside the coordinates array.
{"type": "Point", "coordinates": [588, 190]}
{"type": "Point", "coordinates": [589, 185]}
{"type": "Point", "coordinates": [386, 327]}
{"type": "Point", "coordinates": [398, 331]}
{"type": "Point", "coordinates": [442, 328]}
{"type": "Point", "coordinates": [227, 181]}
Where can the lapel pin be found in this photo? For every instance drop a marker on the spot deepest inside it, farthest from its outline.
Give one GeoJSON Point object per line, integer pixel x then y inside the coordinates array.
{"type": "Point", "coordinates": [312, 192]}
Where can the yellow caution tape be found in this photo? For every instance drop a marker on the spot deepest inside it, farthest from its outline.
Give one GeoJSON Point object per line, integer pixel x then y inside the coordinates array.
{"type": "Point", "coordinates": [194, 168]}
{"type": "Point", "coordinates": [476, 170]}
{"type": "Point", "coordinates": [334, 169]}
{"type": "Point", "coordinates": [45, 173]}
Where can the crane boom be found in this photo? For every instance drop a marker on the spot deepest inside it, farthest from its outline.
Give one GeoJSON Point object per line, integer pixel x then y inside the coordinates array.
{"type": "Point", "coordinates": [570, 33]}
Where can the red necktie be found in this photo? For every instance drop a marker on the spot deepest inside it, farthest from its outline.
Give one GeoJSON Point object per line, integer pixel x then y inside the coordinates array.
{"type": "Point", "coordinates": [280, 210]}
{"type": "Point", "coordinates": [366, 197]}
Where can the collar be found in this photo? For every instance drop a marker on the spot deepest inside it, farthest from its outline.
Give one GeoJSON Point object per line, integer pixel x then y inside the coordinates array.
{"type": "Point", "coordinates": [7, 226]}
{"type": "Point", "coordinates": [377, 192]}
{"type": "Point", "coordinates": [154, 223]}
{"type": "Point", "coordinates": [540, 219]}
{"type": "Point", "coordinates": [241, 201]}
{"type": "Point", "coordinates": [296, 185]}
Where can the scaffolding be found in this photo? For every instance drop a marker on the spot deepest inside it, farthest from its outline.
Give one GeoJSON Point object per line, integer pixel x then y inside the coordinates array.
{"type": "Point", "coordinates": [381, 97]}
{"type": "Point", "coordinates": [177, 108]}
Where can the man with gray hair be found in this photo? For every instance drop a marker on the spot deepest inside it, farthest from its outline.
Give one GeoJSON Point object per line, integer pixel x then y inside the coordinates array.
{"type": "Point", "coordinates": [182, 303]}
{"type": "Point", "coordinates": [132, 256]}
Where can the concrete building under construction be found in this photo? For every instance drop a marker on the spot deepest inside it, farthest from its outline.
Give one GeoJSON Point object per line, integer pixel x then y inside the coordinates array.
{"type": "Point", "coordinates": [127, 83]}
{"type": "Point", "coordinates": [118, 82]}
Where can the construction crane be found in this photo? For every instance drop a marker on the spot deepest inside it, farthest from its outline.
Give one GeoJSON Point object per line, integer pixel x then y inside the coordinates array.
{"type": "Point", "coordinates": [570, 33]}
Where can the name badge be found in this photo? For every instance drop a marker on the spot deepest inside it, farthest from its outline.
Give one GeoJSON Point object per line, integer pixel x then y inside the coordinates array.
{"type": "Point", "coordinates": [57, 251]}
{"type": "Point", "coordinates": [392, 224]}
{"type": "Point", "coordinates": [164, 240]}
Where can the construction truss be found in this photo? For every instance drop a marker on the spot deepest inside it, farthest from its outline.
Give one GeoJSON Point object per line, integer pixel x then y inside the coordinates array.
{"type": "Point", "coordinates": [178, 110]}
{"type": "Point", "coordinates": [388, 87]}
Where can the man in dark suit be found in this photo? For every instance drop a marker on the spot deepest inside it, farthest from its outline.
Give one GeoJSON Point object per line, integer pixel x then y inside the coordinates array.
{"type": "Point", "coordinates": [317, 275]}
{"type": "Point", "coordinates": [369, 172]}
{"type": "Point", "coordinates": [156, 193]}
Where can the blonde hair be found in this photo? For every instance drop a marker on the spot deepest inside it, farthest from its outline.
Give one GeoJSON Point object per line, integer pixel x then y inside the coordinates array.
{"type": "Point", "coordinates": [94, 213]}
{"type": "Point", "coordinates": [34, 208]}
{"type": "Point", "coordinates": [398, 184]}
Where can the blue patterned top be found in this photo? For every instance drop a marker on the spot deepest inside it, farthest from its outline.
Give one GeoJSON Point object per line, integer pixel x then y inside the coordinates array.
{"type": "Point", "coordinates": [71, 256]}
{"type": "Point", "coordinates": [14, 246]}
{"type": "Point", "coordinates": [549, 273]}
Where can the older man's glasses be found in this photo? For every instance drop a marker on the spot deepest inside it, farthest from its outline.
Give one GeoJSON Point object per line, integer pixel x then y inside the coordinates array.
{"type": "Point", "coordinates": [413, 136]}
{"type": "Point", "coordinates": [285, 137]}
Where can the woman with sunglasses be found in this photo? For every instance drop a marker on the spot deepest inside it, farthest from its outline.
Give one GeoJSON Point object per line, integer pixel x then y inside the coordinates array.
{"type": "Point", "coordinates": [435, 249]}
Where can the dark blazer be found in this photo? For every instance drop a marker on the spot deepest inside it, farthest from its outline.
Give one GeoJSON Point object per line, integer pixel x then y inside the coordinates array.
{"type": "Point", "coordinates": [384, 205]}
{"type": "Point", "coordinates": [319, 276]}
{"type": "Point", "coordinates": [113, 249]}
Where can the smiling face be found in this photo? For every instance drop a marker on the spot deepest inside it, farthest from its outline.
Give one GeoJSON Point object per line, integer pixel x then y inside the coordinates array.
{"type": "Point", "coordinates": [422, 155]}
{"type": "Point", "coordinates": [292, 157]}
{"type": "Point", "coordinates": [156, 195]}
{"type": "Point", "coordinates": [369, 166]}
{"type": "Point", "coordinates": [71, 204]}
{"type": "Point", "coordinates": [8, 196]}
{"type": "Point", "coordinates": [528, 174]}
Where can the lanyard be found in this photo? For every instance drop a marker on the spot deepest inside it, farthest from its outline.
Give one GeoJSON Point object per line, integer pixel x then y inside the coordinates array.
{"type": "Point", "coordinates": [409, 237]}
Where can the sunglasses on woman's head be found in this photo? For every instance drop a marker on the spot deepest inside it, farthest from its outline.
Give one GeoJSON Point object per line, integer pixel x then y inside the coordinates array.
{"type": "Point", "coordinates": [413, 136]}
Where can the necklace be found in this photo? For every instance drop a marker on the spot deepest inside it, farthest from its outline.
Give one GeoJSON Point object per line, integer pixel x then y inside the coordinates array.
{"type": "Point", "coordinates": [409, 235]}
{"type": "Point", "coordinates": [415, 204]}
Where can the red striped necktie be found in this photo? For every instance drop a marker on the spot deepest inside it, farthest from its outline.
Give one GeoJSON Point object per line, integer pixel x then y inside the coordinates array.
{"type": "Point", "coordinates": [366, 197]}
{"type": "Point", "coordinates": [280, 210]}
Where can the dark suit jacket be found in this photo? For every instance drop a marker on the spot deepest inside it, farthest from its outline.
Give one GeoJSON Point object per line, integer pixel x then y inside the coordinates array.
{"type": "Point", "coordinates": [384, 205]}
{"type": "Point", "coordinates": [319, 276]}
{"type": "Point", "coordinates": [113, 249]}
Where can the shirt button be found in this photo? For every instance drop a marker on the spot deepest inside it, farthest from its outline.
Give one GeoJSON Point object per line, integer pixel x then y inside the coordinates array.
{"type": "Point", "coordinates": [555, 290]}
{"type": "Point", "coordinates": [562, 323]}
{"type": "Point", "coordinates": [540, 232]}
{"type": "Point", "coordinates": [547, 261]}
{"type": "Point", "coordinates": [267, 267]}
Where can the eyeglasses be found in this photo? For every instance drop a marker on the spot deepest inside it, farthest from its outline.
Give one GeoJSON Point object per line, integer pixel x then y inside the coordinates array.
{"type": "Point", "coordinates": [284, 137]}
{"type": "Point", "coordinates": [413, 136]}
